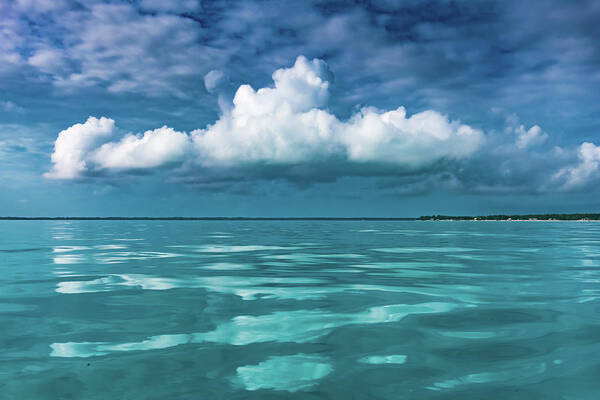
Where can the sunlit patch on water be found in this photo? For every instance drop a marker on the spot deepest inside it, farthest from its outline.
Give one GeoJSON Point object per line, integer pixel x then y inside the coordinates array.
{"type": "Point", "coordinates": [110, 247]}
{"type": "Point", "coordinates": [68, 249]}
{"type": "Point", "coordinates": [124, 256]}
{"type": "Point", "coordinates": [288, 373]}
{"type": "Point", "coordinates": [228, 267]}
{"type": "Point", "coordinates": [471, 335]}
{"type": "Point", "coordinates": [312, 258]}
{"type": "Point", "coordinates": [424, 249]}
{"type": "Point", "coordinates": [69, 259]}
{"type": "Point", "coordinates": [488, 377]}
{"type": "Point", "coordinates": [391, 359]}
{"type": "Point", "coordinates": [246, 287]}
{"type": "Point", "coordinates": [239, 249]}
{"type": "Point", "coordinates": [64, 272]}
{"type": "Point", "coordinates": [299, 326]}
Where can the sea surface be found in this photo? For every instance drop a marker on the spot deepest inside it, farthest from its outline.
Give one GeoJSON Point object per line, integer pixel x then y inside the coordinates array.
{"type": "Point", "coordinates": [299, 310]}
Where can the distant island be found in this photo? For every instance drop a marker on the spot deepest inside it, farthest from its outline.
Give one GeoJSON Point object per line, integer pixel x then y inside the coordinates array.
{"type": "Point", "coordinates": [525, 217]}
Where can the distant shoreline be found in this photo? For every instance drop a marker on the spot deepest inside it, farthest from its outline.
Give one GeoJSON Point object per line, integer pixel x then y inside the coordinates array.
{"type": "Point", "coordinates": [517, 218]}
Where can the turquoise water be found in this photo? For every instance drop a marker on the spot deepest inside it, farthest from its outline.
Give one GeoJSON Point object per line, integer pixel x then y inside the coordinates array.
{"type": "Point", "coordinates": [299, 309]}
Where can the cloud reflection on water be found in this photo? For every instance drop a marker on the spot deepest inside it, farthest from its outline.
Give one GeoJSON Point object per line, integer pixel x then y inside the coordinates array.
{"type": "Point", "coordinates": [298, 326]}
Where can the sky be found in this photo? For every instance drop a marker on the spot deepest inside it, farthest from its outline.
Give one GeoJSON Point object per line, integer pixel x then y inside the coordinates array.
{"type": "Point", "coordinates": [304, 108]}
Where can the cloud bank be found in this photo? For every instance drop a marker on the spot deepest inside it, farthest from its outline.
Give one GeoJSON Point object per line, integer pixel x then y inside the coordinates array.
{"type": "Point", "coordinates": [287, 124]}
{"type": "Point", "coordinates": [287, 131]}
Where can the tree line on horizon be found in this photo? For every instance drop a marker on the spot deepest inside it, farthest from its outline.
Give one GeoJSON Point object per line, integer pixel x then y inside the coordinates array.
{"type": "Point", "coordinates": [505, 217]}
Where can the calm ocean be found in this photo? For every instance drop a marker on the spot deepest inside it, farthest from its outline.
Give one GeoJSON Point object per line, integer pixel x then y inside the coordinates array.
{"type": "Point", "coordinates": [299, 310]}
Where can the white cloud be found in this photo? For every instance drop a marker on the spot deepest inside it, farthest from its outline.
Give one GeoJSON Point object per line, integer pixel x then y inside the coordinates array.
{"type": "Point", "coordinates": [587, 169]}
{"type": "Point", "coordinates": [282, 125]}
{"type": "Point", "coordinates": [9, 106]}
{"type": "Point", "coordinates": [150, 150]}
{"type": "Point", "coordinates": [47, 60]}
{"type": "Point", "coordinates": [423, 138]}
{"type": "Point", "coordinates": [534, 136]}
{"type": "Point", "coordinates": [73, 145]}
{"type": "Point", "coordinates": [287, 124]}
{"type": "Point", "coordinates": [213, 79]}
{"type": "Point", "coordinates": [279, 125]}
{"type": "Point", "coordinates": [40, 6]}
{"type": "Point", "coordinates": [216, 82]}
{"type": "Point", "coordinates": [11, 40]}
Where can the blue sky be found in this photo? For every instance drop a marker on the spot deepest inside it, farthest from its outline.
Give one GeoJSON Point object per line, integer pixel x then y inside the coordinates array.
{"type": "Point", "coordinates": [306, 108]}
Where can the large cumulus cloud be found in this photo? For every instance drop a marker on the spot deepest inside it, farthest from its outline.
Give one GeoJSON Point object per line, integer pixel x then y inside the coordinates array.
{"type": "Point", "coordinates": [586, 170]}
{"type": "Point", "coordinates": [148, 150]}
{"type": "Point", "coordinates": [286, 124]}
{"type": "Point", "coordinates": [74, 145]}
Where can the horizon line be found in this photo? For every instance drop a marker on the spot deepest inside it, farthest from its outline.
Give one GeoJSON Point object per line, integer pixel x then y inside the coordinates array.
{"type": "Point", "coordinates": [321, 218]}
